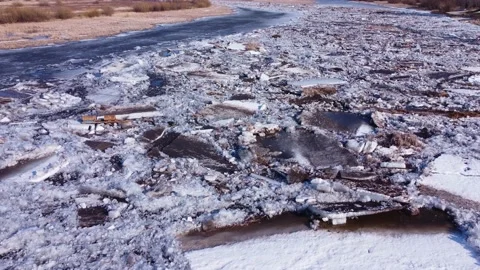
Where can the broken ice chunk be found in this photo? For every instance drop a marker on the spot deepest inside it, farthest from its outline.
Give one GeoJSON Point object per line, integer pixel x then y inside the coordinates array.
{"type": "Point", "coordinates": [319, 81]}
{"type": "Point", "coordinates": [321, 185]}
{"type": "Point", "coordinates": [474, 79]}
{"type": "Point", "coordinates": [235, 46]}
{"type": "Point", "coordinates": [339, 221]}
{"type": "Point", "coordinates": [245, 105]}
{"type": "Point", "coordinates": [354, 146]}
{"type": "Point", "coordinates": [363, 130]}
{"type": "Point", "coordinates": [370, 147]}
{"type": "Point", "coordinates": [341, 211]}
{"type": "Point", "coordinates": [394, 165]}
{"type": "Point", "coordinates": [35, 170]}
{"type": "Point", "coordinates": [264, 77]}
{"type": "Point", "coordinates": [307, 148]}
{"type": "Point", "coordinates": [5, 120]}
{"type": "Point", "coordinates": [338, 121]}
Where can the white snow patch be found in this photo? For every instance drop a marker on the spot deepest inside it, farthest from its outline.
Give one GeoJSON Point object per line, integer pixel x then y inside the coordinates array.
{"type": "Point", "coordinates": [455, 175]}
{"type": "Point", "coordinates": [474, 79]}
{"type": "Point", "coordinates": [234, 46]}
{"type": "Point", "coordinates": [264, 77]}
{"type": "Point", "coordinates": [5, 120]}
{"type": "Point", "coordinates": [331, 250]}
{"type": "Point", "coordinates": [364, 129]}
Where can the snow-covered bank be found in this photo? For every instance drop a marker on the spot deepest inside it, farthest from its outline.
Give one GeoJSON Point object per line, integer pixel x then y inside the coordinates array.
{"type": "Point", "coordinates": [333, 250]}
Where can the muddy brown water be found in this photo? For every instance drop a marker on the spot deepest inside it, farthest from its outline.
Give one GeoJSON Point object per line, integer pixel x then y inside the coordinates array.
{"type": "Point", "coordinates": [285, 223]}
{"type": "Point", "coordinates": [401, 221]}
{"type": "Point", "coordinates": [397, 221]}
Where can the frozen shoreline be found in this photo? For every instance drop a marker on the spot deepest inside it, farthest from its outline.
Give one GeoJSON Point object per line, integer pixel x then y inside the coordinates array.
{"type": "Point", "coordinates": [329, 250]}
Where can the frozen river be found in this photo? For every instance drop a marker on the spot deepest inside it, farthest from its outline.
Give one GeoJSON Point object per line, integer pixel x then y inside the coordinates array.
{"type": "Point", "coordinates": [45, 62]}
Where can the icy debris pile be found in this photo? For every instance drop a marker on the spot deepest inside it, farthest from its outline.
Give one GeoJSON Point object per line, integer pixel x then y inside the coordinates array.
{"type": "Point", "coordinates": [334, 116]}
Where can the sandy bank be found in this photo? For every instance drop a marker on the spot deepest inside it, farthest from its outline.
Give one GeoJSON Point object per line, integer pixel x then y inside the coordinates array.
{"type": "Point", "coordinates": [22, 35]}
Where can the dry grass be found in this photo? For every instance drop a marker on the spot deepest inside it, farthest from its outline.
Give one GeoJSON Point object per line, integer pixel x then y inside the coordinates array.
{"type": "Point", "coordinates": [108, 10]}
{"type": "Point", "coordinates": [442, 6]}
{"type": "Point", "coordinates": [43, 10]}
{"type": "Point", "coordinates": [201, 3]}
{"type": "Point", "coordinates": [92, 13]}
{"type": "Point", "coordinates": [63, 13]}
{"type": "Point", "coordinates": [23, 14]}
{"type": "Point", "coordinates": [142, 7]}
{"type": "Point", "coordinates": [170, 5]}
{"type": "Point", "coordinates": [409, 2]}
